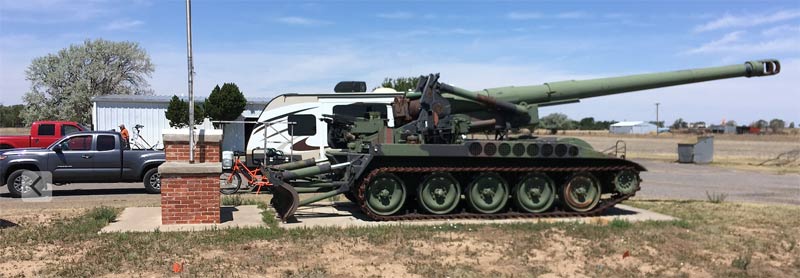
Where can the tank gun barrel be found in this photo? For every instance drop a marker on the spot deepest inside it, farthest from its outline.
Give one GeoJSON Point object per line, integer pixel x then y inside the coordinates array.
{"type": "Point", "coordinates": [572, 90]}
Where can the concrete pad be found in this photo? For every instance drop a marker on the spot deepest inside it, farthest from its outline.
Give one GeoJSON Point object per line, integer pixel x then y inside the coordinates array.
{"type": "Point", "coordinates": [349, 215]}
{"type": "Point", "coordinates": [148, 219]}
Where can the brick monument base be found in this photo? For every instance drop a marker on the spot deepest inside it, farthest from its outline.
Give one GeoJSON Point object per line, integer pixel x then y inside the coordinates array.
{"type": "Point", "coordinates": [190, 191]}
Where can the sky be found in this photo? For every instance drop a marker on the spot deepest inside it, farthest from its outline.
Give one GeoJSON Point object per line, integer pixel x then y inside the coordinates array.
{"type": "Point", "coordinates": [274, 47]}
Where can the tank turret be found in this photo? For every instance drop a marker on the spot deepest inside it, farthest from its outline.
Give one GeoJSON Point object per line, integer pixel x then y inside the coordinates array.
{"type": "Point", "coordinates": [517, 106]}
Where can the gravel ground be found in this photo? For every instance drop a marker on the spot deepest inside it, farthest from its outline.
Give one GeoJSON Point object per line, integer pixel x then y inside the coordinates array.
{"type": "Point", "coordinates": [663, 180]}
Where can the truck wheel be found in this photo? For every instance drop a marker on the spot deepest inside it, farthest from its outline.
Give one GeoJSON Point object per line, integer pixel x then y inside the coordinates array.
{"type": "Point", "coordinates": [152, 181]}
{"type": "Point", "coordinates": [25, 183]}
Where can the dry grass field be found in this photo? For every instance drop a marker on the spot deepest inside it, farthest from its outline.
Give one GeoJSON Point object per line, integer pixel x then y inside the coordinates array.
{"type": "Point", "coordinates": [737, 151]}
{"type": "Point", "coordinates": [710, 240]}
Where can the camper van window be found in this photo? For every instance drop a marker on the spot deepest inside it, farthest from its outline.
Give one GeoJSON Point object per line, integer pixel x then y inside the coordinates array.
{"type": "Point", "coordinates": [306, 125]}
{"type": "Point", "coordinates": [360, 109]}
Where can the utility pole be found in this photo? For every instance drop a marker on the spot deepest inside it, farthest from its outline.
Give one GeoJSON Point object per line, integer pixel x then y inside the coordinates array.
{"type": "Point", "coordinates": [191, 74]}
{"type": "Point", "coordinates": [657, 104]}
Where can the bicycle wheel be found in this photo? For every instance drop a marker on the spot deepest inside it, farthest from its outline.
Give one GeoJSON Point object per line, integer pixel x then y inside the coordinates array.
{"type": "Point", "coordinates": [229, 183]}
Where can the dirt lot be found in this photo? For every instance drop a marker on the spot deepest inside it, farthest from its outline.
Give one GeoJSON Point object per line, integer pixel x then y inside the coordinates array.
{"type": "Point", "coordinates": [711, 240]}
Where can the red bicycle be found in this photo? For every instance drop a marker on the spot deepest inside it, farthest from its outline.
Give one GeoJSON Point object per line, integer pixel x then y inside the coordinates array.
{"type": "Point", "coordinates": [231, 182]}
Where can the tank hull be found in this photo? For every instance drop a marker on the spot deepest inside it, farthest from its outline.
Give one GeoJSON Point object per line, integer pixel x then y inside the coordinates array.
{"type": "Point", "coordinates": [508, 163]}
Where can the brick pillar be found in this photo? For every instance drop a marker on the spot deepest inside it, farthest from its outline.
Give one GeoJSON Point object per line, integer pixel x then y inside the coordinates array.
{"type": "Point", "coordinates": [190, 191]}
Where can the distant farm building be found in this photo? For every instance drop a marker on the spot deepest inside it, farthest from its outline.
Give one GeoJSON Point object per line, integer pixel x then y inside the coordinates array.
{"type": "Point", "coordinates": [111, 110]}
{"type": "Point", "coordinates": [724, 129]}
{"type": "Point", "coordinates": [636, 127]}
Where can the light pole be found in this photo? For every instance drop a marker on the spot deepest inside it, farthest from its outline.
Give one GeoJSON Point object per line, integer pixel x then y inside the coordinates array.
{"type": "Point", "coordinates": [657, 104]}
{"type": "Point", "coordinates": [191, 73]}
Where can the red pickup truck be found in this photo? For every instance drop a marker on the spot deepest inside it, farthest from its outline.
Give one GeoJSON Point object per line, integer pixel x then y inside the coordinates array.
{"type": "Point", "coordinates": [43, 133]}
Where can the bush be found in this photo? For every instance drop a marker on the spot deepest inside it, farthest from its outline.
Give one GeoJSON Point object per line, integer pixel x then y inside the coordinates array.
{"type": "Point", "coordinates": [716, 198]}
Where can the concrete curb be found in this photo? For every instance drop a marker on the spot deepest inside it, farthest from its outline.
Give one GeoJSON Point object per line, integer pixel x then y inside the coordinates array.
{"type": "Point", "coordinates": [148, 219]}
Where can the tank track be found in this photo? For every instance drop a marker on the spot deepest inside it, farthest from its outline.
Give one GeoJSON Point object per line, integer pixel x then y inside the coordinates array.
{"type": "Point", "coordinates": [601, 206]}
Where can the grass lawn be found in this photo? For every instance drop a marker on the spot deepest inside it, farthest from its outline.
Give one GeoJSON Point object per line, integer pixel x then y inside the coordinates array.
{"type": "Point", "coordinates": [710, 240]}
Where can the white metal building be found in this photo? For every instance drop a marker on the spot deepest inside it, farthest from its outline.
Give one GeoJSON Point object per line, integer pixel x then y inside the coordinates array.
{"type": "Point", "coordinates": [636, 127]}
{"type": "Point", "coordinates": [110, 111]}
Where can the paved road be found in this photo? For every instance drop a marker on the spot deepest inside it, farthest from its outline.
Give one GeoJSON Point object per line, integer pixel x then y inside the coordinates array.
{"type": "Point", "coordinates": [665, 180]}
{"type": "Point", "coordinates": [662, 181]}
{"type": "Point", "coordinates": [86, 195]}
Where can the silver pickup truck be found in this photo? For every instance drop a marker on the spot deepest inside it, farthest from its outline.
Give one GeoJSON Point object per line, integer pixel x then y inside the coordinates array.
{"type": "Point", "coordinates": [84, 157]}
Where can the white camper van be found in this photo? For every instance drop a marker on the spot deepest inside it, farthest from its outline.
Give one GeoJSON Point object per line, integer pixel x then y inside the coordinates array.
{"type": "Point", "coordinates": [308, 136]}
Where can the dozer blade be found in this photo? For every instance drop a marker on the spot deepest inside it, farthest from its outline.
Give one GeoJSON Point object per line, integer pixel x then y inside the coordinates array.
{"type": "Point", "coordinates": [284, 200]}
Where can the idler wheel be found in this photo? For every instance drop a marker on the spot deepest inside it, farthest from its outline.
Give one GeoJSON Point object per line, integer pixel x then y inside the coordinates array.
{"type": "Point", "coordinates": [488, 193]}
{"type": "Point", "coordinates": [626, 182]}
{"type": "Point", "coordinates": [385, 194]}
{"type": "Point", "coordinates": [439, 193]}
{"type": "Point", "coordinates": [581, 192]}
{"type": "Point", "coordinates": [534, 193]}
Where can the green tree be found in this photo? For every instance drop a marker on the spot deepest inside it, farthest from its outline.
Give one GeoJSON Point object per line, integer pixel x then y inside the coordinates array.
{"type": "Point", "coordinates": [178, 113]}
{"type": "Point", "coordinates": [401, 84]}
{"type": "Point", "coordinates": [730, 123]}
{"type": "Point", "coordinates": [791, 125]}
{"type": "Point", "coordinates": [761, 124]}
{"type": "Point", "coordinates": [63, 84]}
{"type": "Point", "coordinates": [587, 123]}
{"type": "Point", "coordinates": [10, 116]}
{"type": "Point", "coordinates": [604, 125]}
{"type": "Point", "coordinates": [555, 122]}
{"type": "Point", "coordinates": [777, 125]}
{"type": "Point", "coordinates": [226, 103]}
{"type": "Point", "coordinates": [679, 123]}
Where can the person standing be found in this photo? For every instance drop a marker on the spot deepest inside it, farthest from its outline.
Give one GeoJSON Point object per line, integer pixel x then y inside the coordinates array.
{"type": "Point", "coordinates": [123, 132]}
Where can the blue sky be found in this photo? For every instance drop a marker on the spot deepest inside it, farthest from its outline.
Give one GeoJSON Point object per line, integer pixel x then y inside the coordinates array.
{"type": "Point", "coordinates": [272, 47]}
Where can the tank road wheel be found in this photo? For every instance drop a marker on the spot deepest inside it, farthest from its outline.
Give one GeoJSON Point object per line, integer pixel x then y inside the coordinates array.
{"type": "Point", "coordinates": [581, 192]}
{"type": "Point", "coordinates": [626, 182]}
{"type": "Point", "coordinates": [488, 193]}
{"type": "Point", "coordinates": [385, 194]}
{"type": "Point", "coordinates": [439, 193]}
{"type": "Point", "coordinates": [534, 193]}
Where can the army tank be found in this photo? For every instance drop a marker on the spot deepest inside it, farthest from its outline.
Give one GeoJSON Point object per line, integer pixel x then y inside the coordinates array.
{"type": "Point", "coordinates": [428, 166]}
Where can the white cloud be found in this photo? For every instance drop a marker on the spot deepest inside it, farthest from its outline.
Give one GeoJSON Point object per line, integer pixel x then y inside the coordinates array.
{"type": "Point", "coordinates": [523, 16]}
{"type": "Point", "coordinates": [297, 20]}
{"type": "Point", "coordinates": [122, 24]}
{"type": "Point", "coordinates": [782, 30]}
{"type": "Point", "coordinates": [572, 15]}
{"type": "Point", "coordinates": [396, 15]}
{"type": "Point", "coordinates": [723, 42]}
{"type": "Point", "coordinates": [732, 21]}
{"type": "Point", "coordinates": [536, 15]}
{"type": "Point", "coordinates": [617, 16]}
{"type": "Point", "coordinates": [733, 43]}
{"type": "Point", "coordinates": [52, 11]}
